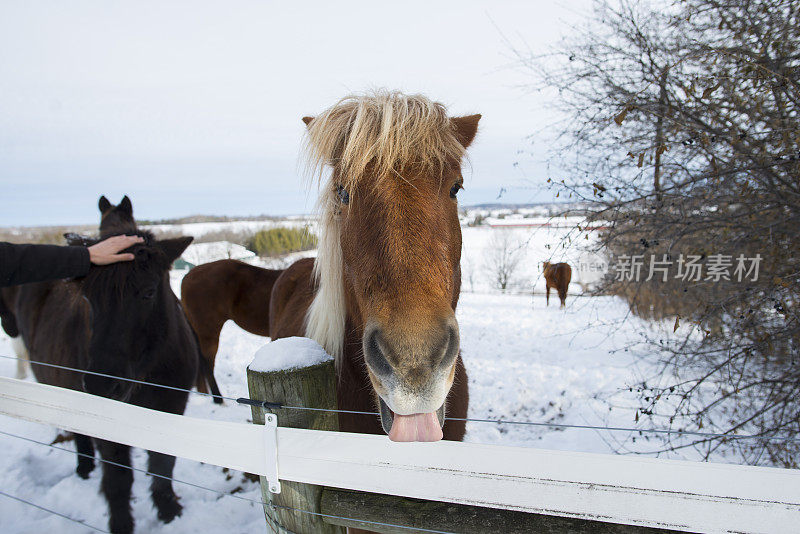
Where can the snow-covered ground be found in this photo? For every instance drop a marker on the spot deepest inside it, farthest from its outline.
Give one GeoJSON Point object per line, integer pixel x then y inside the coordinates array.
{"type": "Point", "coordinates": [525, 362]}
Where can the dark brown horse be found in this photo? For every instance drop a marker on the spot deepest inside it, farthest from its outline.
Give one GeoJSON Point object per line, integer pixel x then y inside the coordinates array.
{"type": "Point", "coordinates": [382, 293]}
{"type": "Point", "coordinates": [116, 219]}
{"type": "Point", "coordinates": [119, 219]}
{"type": "Point", "coordinates": [214, 292]}
{"type": "Point", "coordinates": [113, 219]}
{"type": "Point", "coordinates": [121, 320]}
{"type": "Point", "coordinates": [557, 276]}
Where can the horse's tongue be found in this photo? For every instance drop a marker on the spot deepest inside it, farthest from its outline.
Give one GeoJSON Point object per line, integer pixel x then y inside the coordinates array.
{"type": "Point", "coordinates": [416, 427]}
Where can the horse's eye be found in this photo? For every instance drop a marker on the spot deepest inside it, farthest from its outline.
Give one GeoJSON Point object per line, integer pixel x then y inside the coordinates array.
{"type": "Point", "coordinates": [455, 189]}
{"type": "Point", "coordinates": [344, 196]}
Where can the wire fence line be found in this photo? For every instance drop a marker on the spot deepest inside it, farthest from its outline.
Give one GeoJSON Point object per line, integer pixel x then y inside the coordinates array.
{"type": "Point", "coordinates": [277, 527]}
{"type": "Point", "coordinates": [53, 512]}
{"type": "Point", "coordinates": [122, 378]}
{"type": "Point", "coordinates": [519, 477]}
{"type": "Point", "coordinates": [270, 405]}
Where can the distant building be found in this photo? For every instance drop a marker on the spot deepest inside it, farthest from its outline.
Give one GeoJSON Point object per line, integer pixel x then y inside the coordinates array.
{"type": "Point", "coordinates": [200, 253]}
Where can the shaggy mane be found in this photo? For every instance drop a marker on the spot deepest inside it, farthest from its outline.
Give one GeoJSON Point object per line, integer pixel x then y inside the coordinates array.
{"type": "Point", "coordinates": [369, 137]}
{"type": "Point", "coordinates": [383, 131]}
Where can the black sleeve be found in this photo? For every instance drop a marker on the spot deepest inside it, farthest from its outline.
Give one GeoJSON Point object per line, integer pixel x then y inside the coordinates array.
{"type": "Point", "coordinates": [23, 264]}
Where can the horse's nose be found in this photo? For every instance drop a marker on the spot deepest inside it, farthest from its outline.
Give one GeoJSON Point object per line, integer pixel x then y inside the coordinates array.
{"type": "Point", "coordinates": [411, 359]}
{"type": "Point", "coordinates": [374, 355]}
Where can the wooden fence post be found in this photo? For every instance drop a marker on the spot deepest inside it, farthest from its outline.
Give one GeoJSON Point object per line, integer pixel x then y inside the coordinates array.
{"type": "Point", "coordinates": [311, 382]}
{"type": "Point", "coordinates": [387, 514]}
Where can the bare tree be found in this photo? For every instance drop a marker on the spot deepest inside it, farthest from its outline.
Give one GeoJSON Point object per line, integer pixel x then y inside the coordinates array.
{"type": "Point", "coordinates": [503, 256]}
{"type": "Point", "coordinates": [468, 271]}
{"type": "Point", "coordinates": [683, 127]}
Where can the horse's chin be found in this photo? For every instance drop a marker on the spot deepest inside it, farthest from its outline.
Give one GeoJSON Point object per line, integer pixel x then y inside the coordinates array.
{"type": "Point", "coordinates": [387, 416]}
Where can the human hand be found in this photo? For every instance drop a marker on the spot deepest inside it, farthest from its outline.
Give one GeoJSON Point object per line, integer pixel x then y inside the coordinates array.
{"type": "Point", "coordinates": [107, 251]}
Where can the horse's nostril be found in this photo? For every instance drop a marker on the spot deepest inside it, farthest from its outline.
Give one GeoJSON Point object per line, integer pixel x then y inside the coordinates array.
{"type": "Point", "coordinates": [450, 347]}
{"type": "Point", "coordinates": [375, 356]}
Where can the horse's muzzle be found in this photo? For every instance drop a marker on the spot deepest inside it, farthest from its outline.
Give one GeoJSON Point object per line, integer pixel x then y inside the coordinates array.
{"type": "Point", "coordinates": [412, 373]}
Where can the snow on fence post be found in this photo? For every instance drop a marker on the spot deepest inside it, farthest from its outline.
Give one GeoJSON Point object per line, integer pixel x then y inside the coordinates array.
{"type": "Point", "coordinates": [295, 372]}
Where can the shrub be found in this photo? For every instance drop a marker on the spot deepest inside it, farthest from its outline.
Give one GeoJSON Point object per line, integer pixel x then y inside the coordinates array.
{"type": "Point", "coordinates": [477, 221]}
{"type": "Point", "coordinates": [277, 241]}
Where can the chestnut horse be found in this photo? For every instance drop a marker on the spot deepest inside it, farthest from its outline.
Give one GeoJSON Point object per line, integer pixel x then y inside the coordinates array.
{"type": "Point", "coordinates": [214, 292]}
{"type": "Point", "coordinates": [382, 293]}
{"type": "Point", "coordinates": [557, 276]}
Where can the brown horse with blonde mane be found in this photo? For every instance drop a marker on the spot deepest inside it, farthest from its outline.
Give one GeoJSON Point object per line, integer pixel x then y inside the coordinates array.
{"type": "Point", "coordinates": [215, 292]}
{"type": "Point", "coordinates": [382, 293]}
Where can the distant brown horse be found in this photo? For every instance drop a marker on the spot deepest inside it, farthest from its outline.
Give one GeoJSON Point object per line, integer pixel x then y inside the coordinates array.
{"type": "Point", "coordinates": [382, 293]}
{"type": "Point", "coordinates": [214, 292]}
{"type": "Point", "coordinates": [557, 276]}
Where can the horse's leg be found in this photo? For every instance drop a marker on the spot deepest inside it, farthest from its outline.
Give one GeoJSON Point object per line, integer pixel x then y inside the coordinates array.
{"type": "Point", "coordinates": [548, 294]}
{"type": "Point", "coordinates": [209, 344]}
{"type": "Point", "coordinates": [116, 485]}
{"type": "Point", "coordinates": [562, 294]}
{"type": "Point", "coordinates": [164, 498]}
{"type": "Point", "coordinates": [85, 449]}
{"type": "Point", "coordinates": [21, 352]}
{"type": "Point", "coordinates": [212, 382]}
{"type": "Point", "coordinates": [9, 323]}
{"type": "Point", "coordinates": [205, 372]}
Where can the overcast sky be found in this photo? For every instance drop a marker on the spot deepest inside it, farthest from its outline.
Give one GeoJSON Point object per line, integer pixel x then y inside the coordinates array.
{"type": "Point", "coordinates": [195, 107]}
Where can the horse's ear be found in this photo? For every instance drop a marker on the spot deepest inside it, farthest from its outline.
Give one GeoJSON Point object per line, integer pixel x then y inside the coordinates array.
{"type": "Point", "coordinates": [307, 120]}
{"type": "Point", "coordinates": [465, 128]}
{"type": "Point", "coordinates": [125, 205]}
{"type": "Point", "coordinates": [173, 248]}
{"type": "Point", "coordinates": [103, 204]}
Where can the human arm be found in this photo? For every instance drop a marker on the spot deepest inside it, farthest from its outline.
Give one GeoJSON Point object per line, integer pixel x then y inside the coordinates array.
{"type": "Point", "coordinates": [24, 264]}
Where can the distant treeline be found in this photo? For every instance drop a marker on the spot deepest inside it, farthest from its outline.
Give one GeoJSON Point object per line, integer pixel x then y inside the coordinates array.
{"type": "Point", "coordinates": [271, 242]}
{"type": "Point", "coordinates": [45, 235]}
{"type": "Point", "coordinates": [189, 219]}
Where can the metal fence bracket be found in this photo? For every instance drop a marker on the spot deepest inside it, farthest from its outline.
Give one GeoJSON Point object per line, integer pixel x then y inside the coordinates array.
{"type": "Point", "coordinates": [271, 450]}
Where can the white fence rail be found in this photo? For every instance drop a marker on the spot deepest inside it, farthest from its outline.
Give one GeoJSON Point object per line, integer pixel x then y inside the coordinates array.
{"type": "Point", "coordinates": [671, 494]}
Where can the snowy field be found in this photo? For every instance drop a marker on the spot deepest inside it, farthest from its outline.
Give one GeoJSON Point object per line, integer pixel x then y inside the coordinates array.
{"type": "Point", "coordinates": [525, 362]}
